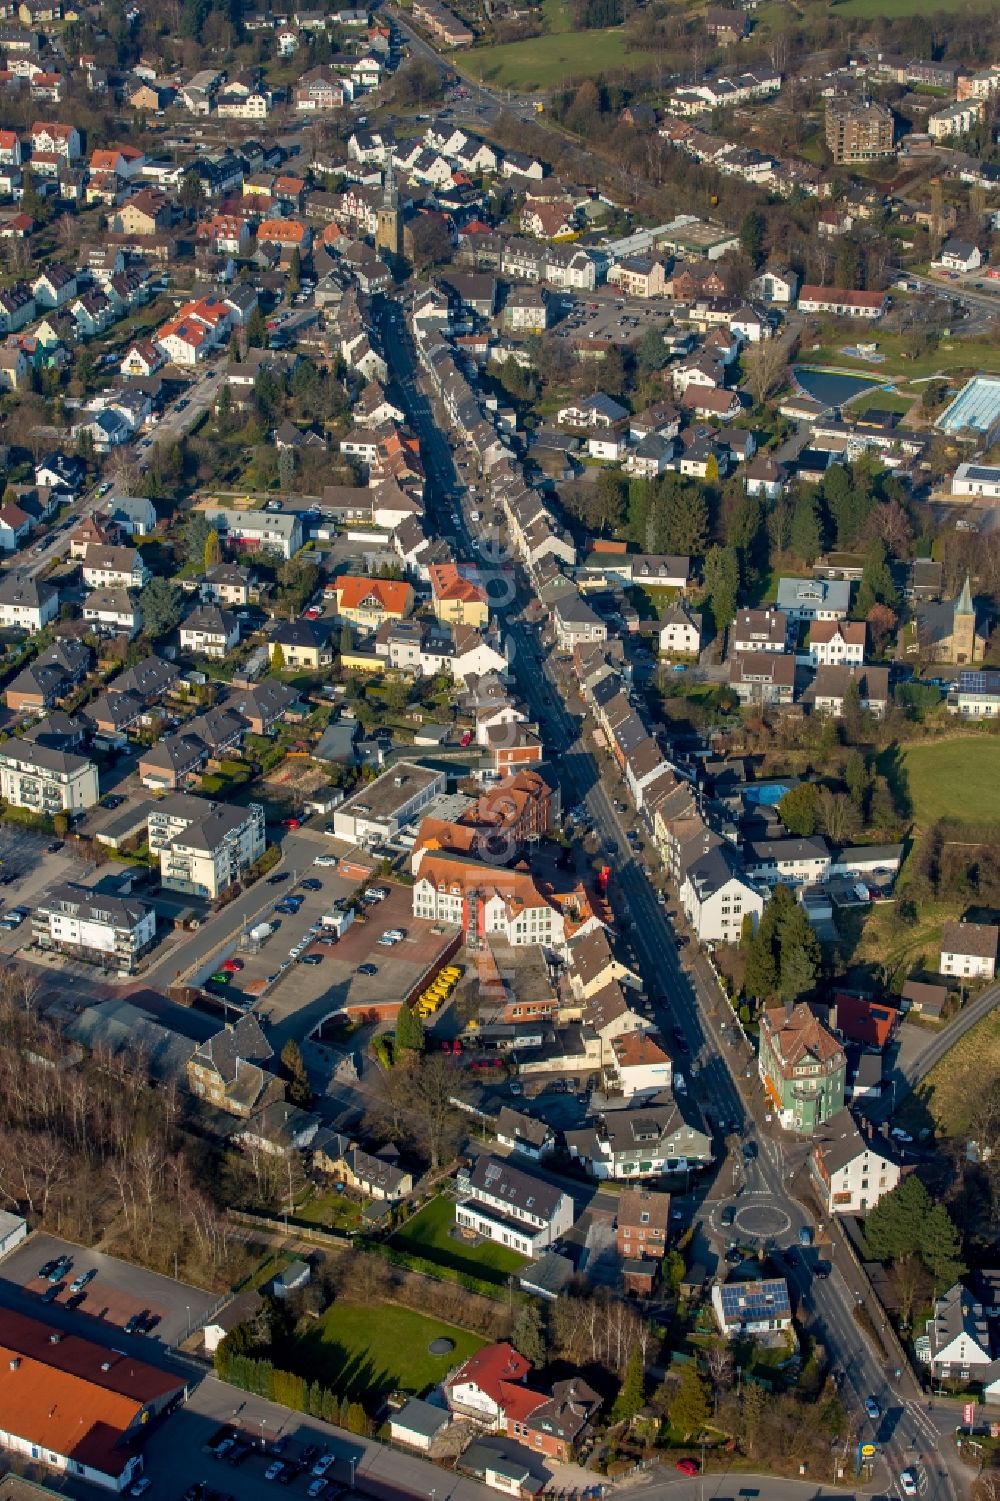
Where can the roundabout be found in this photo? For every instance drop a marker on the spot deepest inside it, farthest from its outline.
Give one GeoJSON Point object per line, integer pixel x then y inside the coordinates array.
{"type": "Point", "coordinates": [762, 1221]}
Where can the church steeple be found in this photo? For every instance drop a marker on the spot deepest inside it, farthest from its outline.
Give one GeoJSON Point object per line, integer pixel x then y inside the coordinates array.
{"type": "Point", "coordinates": [963, 604]}
{"type": "Point", "coordinates": [389, 231]}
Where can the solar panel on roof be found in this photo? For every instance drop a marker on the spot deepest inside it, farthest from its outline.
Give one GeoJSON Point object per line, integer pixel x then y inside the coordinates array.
{"type": "Point", "coordinates": [751, 1302]}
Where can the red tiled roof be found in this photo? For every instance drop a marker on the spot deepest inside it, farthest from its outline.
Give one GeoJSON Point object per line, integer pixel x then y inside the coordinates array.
{"type": "Point", "coordinates": [492, 1369]}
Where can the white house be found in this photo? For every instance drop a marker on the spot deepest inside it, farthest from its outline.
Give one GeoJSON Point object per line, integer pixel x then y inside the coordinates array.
{"type": "Point", "coordinates": [961, 1344]}
{"type": "Point", "coordinates": [959, 255]}
{"type": "Point", "coordinates": [48, 781]}
{"type": "Point", "coordinates": [113, 611]}
{"type": "Point", "coordinates": [508, 1205]}
{"type": "Point", "coordinates": [27, 604]}
{"type": "Point", "coordinates": [836, 643]}
{"type": "Point", "coordinates": [969, 950]}
{"type": "Point", "coordinates": [717, 896]}
{"type": "Point", "coordinates": [205, 854]}
{"type": "Point", "coordinates": [977, 481]}
{"type": "Point", "coordinates": [210, 631]}
{"type": "Point", "coordinates": [746, 1309]}
{"type": "Point", "coordinates": [851, 1170]}
{"type": "Point", "coordinates": [680, 630]}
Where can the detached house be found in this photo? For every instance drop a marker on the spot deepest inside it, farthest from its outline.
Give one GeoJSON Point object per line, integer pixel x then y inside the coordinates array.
{"type": "Point", "coordinates": [512, 1207]}
{"type": "Point", "coordinates": [210, 631]}
{"type": "Point", "coordinates": [227, 1070]}
{"type": "Point", "coordinates": [969, 950]}
{"type": "Point", "coordinates": [114, 567]}
{"type": "Point", "coordinates": [836, 643]}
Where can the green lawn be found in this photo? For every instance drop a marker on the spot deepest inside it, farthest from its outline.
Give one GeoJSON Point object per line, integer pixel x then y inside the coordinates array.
{"type": "Point", "coordinates": [899, 363]}
{"type": "Point", "coordinates": [427, 1236]}
{"type": "Point", "coordinates": [548, 62]}
{"type": "Point", "coordinates": [361, 1351]}
{"type": "Point", "coordinates": [891, 9]}
{"type": "Point", "coordinates": [953, 779]}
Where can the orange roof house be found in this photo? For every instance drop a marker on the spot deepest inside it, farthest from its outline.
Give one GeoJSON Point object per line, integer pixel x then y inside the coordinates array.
{"type": "Point", "coordinates": [457, 595]}
{"type": "Point", "coordinates": [367, 602]}
{"type": "Point", "coordinates": [290, 232]}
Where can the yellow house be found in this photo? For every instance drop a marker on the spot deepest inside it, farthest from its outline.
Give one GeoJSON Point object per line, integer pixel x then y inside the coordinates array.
{"type": "Point", "coordinates": [457, 598]}
{"type": "Point", "coordinates": [303, 643]}
{"type": "Point", "coordinates": [368, 602]}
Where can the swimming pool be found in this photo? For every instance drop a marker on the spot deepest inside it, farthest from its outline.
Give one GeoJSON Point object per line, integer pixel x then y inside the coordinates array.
{"type": "Point", "coordinates": [829, 388]}
{"type": "Point", "coordinates": [766, 796]}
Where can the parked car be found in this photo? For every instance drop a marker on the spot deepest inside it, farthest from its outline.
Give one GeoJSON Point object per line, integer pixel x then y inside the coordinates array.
{"type": "Point", "coordinates": [907, 1483]}
{"type": "Point", "coordinates": [274, 1470]}
{"type": "Point", "coordinates": [82, 1281]}
{"type": "Point", "coordinates": [687, 1466]}
{"type": "Point", "coordinates": [872, 1409]}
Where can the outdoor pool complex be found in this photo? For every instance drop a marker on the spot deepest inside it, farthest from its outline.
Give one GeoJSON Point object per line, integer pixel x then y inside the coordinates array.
{"type": "Point", "coordinates": [976, 408]}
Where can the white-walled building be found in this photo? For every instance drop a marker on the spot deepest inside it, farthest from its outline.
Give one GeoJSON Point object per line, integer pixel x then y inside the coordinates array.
{"type": "Point", "coordinates": [969, 950]}
{"type": "Point", "coordinates": [111, 930]}
{"type": "Point", "coordinates": [204, 847]}
{"type": "Point", "coordinates": [716, 896]}
{"type": "Point", "coordinates": [850, 1170]}
{"type": "Point", "coordinates": [47, 781]}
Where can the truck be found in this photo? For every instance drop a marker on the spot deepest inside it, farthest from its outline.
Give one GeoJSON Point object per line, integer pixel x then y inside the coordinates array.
{"type": "Point", "coordinates": [336, 922]}
{"type": "Point", "coordinates": [261, 932]}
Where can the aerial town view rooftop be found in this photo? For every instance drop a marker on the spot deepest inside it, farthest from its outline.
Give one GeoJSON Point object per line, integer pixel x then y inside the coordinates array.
{"type": "Point", "coordinates": [499, 762]}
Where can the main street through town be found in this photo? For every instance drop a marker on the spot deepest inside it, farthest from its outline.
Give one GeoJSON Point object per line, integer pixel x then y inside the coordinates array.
{"type": "Point", "coordinates": [908, 1434]}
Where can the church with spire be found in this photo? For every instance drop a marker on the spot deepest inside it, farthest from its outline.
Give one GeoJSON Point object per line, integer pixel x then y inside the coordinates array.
{"type": "Point", "coordinates": [953, 631]}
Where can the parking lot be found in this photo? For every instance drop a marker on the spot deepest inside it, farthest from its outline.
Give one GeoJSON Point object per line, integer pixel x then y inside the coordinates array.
{"type": "Point", "coordinates": [608, 321]}
{"type": "Point", "coordinates": [117, 1292]}
{"type": "Point", "coordinates": [178, 1454]}
{"type": "Point", "coordinates": [307, 992]}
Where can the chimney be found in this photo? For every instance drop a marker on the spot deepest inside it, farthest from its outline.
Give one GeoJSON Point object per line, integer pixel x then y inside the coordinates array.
{"type": "Point", "coordinates": [15, 1362]}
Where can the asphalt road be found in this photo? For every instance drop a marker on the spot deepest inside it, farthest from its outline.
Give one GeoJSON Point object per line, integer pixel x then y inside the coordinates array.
{"type": "Point", "coordinates": [905, 1434]}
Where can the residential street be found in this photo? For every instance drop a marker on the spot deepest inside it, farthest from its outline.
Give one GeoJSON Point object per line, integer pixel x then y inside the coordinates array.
{"type": "Point", "coordinates": [690, 1001]}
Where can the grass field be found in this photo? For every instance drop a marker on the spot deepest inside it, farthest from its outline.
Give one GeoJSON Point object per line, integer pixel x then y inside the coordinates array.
{"type": "Point", "coordinates": [546, 62]}
{"type": "Point", "coordinates": [428, 1236]}
{"type": "Point", "coordinates": [953, 779]}
{"type": "Point", "coordinates": [363, 1351]}
{"type": "Point", "coordinates": [951, 1091]}
{"type": "Point", "coordinates": [950, 355]}
{"type": "Point", "coordinates": [892, 9]}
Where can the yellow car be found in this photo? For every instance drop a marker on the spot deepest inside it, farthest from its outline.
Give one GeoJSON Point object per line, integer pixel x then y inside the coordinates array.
{"type": "Point", "coordinates": [451, 972]}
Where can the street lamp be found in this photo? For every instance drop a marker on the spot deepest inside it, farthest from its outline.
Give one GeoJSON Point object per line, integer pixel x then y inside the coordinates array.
{"type": "Point", "coordinates": [353, 1462]}
{"type": "Point", "coordinates": [263, 1424]}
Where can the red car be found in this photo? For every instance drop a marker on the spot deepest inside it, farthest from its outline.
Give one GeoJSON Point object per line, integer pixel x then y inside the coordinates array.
{"type": "Point", "coordinates": [290, 823]}
{"type": "Point", "coordinates": [687, 1466]}
{"type": "Point", "coordinates": [232, 966]}
{"type": "Point", "coordinates": [466, 739]}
